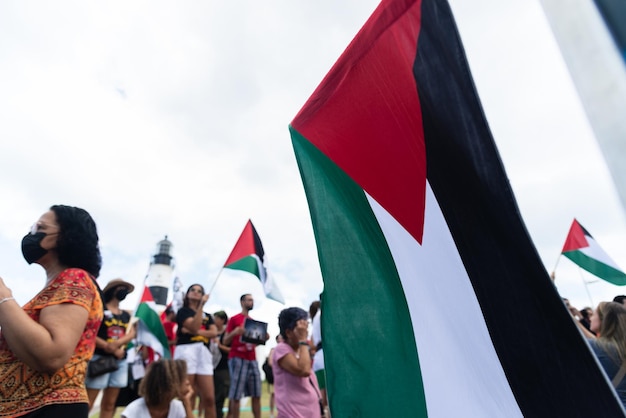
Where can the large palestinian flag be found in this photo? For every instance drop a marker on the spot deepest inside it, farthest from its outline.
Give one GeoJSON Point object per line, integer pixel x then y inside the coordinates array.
{"type": "Point", "coordinates": [435, 300]}
{"type": "Point", "coordinates": [582, 249]}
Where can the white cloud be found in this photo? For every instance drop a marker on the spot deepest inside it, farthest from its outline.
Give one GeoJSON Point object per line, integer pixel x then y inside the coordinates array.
{"type": "Point", "coordinates": [171, 118]}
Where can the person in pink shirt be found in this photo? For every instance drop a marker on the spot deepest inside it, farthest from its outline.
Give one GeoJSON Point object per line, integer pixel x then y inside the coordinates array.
{"type": "Point", "coordinates": [295, 386]}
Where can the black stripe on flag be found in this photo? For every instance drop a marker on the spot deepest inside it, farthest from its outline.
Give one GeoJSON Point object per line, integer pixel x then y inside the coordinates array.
{"type": "Point", "coordinates": [549, 366]}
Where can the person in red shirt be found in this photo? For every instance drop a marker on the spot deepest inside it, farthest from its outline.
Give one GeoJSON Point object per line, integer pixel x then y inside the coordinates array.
{"type": "Point", "coordinates": [244, 370]}
{"type": "Point", "coordinates": [170, 325]}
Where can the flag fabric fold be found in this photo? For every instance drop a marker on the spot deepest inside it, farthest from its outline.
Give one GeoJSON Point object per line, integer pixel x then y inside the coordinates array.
{"type": "Point", "coordinates": [150, 331]}
{"type": "Point", "coordinates": [432, 286]}
{"type": "Point", "coordinates": [248, 255]}
{"type": "Point", "coordinates": [583, 250]}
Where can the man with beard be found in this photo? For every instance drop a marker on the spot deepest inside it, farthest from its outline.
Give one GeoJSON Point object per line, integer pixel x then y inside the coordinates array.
{"type": "Point", "coordinates": [245, 379]}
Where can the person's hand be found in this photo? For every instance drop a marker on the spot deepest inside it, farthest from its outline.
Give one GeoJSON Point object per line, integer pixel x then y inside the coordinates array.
{"type": "Point", "coordinates": [186, 392]}
{"type": "Point", "coordinates": [575, 312]}
{"type": "Point", "coordinates": [110, 348]}
{"type": "Point", "coordinates": [302, 329]}
{"type": "Point", "coordinates": [119, 353]}
{"type": "Point", "coordinates": [239, 330]}
{"type": "Point", "coordinates": [205, 298]}
{"type": "Point", "coordinates": [5, 292]}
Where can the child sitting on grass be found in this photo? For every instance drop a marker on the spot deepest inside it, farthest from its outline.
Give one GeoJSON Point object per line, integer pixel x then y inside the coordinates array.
{"type": "Point", "coordinates": [165, 380]}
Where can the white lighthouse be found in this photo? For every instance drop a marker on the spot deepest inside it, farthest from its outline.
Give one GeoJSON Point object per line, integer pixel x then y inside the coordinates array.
{"type": "Point", "coordinates": [161, 272]}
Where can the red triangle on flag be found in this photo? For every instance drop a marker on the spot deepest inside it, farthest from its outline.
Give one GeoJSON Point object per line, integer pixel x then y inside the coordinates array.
{"type": "Point", "coordinates": [575, 238]}
{"type": "Point", "coordinates": [248, 244]}
{"type": "Point", "coordinates": [366, 118]}
{"type": "Point", "coordinates": [147, 295]}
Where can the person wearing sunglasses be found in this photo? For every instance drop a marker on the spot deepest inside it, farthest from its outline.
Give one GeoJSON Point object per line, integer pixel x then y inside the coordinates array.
{"type": "Point", "coordinates": [46, 344]}
{"type": "Point", "coordinates": [195, 330]}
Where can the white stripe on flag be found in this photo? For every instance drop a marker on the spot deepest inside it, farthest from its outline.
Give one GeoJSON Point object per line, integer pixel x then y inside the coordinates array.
{"type": "Point", "coordinates": [467, 379]}
{"type": "Point", "coordinates": [596, 252]}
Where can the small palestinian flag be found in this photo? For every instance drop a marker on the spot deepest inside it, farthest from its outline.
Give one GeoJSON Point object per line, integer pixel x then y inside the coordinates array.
{"type": "Point", "coordinates": [248, 255]}
{"type": "Point", "coordinates": [150, 331]}
{"type": "Point", "coordinates": [436, 303]}
{"type": "Point", "coordinates": [582, 249]}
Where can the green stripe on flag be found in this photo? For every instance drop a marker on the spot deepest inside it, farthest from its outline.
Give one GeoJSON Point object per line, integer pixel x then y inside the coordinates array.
{"type": "Point", "coordinates": [155, 333]}
{"type": "Point", "coordinates": [249, 264]}
{"type": "Point", "coordinates": [593, 266]}
{"type": "Point", "coordinates": [362, 290]}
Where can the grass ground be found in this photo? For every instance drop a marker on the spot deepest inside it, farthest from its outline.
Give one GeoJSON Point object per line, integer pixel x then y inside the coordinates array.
{"type": "Point", "coordinates": [245, 407]}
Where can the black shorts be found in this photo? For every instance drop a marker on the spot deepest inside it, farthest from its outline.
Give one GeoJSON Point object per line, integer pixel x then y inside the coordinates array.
{"type": "Point", "coordinates": [74, 410]}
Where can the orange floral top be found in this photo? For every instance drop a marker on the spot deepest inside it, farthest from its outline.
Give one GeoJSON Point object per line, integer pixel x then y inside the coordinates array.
{"type": "Point", "coordinates": [22, 389]}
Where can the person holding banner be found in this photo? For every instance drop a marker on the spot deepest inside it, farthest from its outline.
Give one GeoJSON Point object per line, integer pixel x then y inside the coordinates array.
{"type": "Point", "coordinates": [245, 378]}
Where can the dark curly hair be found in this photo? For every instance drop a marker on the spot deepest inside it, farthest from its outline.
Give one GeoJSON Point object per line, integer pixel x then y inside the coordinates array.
{"type": "Point", "coordinates": [163, 381]}
{"type": "Point", "coordinates": [288, 319]}
{"type": "Point", "coordinates": [77, 245]}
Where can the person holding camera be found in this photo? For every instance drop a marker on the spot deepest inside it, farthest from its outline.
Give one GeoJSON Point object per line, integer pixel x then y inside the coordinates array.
{"type": "Point", "coordinates": [245, 378]}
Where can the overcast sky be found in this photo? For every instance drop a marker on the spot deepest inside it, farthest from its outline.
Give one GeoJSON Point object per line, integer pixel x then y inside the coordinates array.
{"type": "Point", "coordinates": [163, 118]}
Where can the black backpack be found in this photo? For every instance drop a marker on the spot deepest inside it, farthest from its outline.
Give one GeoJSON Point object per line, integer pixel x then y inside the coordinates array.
{"type": "Point", "coordinates": [269, 374]}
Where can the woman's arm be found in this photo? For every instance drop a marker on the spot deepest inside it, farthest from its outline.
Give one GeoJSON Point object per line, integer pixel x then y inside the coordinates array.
{"type": "Point", "coordinates": [118, 347]}
{"type": "Point", "coordinates": [270, 358]}
{"type": "Point", "coordinates": [220, 342]}
{"type": "Point", "coordinates": [186, 395]}
{"type": "Point", "coordinates": [297, 366]}
{"type": "Point", "coordinates": [46, 345]}
{"type": "Point", "coordinates": [228, 337]}
{"type": "Point", "coordinates": [128, 337]}
{"type": "Point", "coordinates": [585, 331]}
{"type": "Point", "coordinates": [194, 323]}
{"type": "Point", "coordinates": [209, 333]}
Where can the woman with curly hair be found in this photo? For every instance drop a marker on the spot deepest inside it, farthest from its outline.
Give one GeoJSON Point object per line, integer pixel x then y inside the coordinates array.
{"type": "Point", "coordinates": [46, 344]}
{"type": "Point", "coordinates": [609, 323]}
{"type": "Point", "coordinates": [165, 380]}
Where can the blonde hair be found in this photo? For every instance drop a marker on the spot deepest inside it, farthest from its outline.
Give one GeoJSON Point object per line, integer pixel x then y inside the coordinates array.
{"type": "Point", "coordinates": [612, 337]}
{"type": "Point", "coordinates": [163, 381]}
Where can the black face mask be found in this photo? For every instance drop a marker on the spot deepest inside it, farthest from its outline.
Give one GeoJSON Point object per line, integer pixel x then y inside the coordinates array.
{"type": "Point", "coordinates": [121, 294]}
{"type": "Point", "coordinates": [31, 247]}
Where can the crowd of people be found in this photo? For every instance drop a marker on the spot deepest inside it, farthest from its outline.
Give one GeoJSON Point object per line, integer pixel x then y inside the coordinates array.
{"type": "Point", "coordinates": [219, 363]}
{"type": "Point", "coordinates": [605, 330]}
{"type": "Point", "coordinates": [72, 342]}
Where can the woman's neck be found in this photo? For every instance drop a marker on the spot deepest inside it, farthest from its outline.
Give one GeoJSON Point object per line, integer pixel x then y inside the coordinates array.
{"type": "Point", "coordinates": [52, 269]}
{"type": "Point", "coordinates": [114, 306]}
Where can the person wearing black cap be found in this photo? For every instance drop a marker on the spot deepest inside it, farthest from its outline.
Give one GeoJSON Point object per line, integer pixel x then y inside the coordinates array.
{"type": "Point", "coordinates": [113, 336]}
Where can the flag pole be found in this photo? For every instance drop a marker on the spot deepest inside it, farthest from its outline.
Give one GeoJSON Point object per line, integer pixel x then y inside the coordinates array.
{"type": "Point", "coordinates": [215, 281]}
{"type": "Point", "coordinates": [586, 287]}
{"type": "Point", "coordinates": [553, 275]}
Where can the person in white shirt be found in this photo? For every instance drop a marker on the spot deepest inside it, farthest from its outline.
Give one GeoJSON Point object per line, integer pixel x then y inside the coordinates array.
{"type": "Point", "coordinates": [164, 382]}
